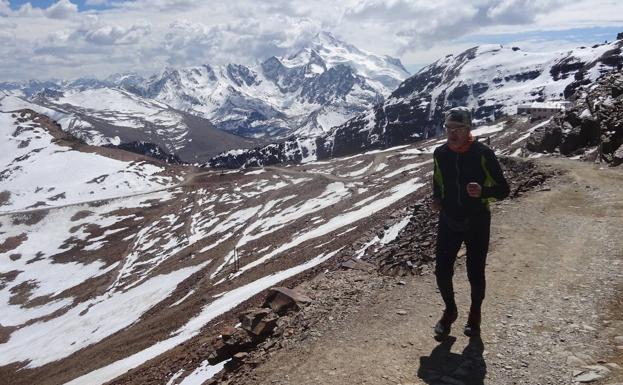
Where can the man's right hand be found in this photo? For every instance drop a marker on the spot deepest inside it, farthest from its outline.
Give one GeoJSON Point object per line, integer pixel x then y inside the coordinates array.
{"type": "Point", "coordinates": [436, 205]}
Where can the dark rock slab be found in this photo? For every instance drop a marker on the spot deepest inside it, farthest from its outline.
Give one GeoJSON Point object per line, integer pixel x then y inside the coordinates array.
{"type": "Point", "coordinates": [282, 299]}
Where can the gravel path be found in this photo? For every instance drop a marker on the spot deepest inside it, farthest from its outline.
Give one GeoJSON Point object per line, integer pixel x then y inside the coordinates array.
{"type": "Point", "coordinates": [553, 312]}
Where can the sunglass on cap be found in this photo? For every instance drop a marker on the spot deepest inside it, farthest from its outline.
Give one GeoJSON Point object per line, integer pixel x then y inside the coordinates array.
{"type": "Point", "coordinates": [455, 128]}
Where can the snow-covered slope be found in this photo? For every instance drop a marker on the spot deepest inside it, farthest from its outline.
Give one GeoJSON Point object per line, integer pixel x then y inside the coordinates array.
{"type": "Point", "coordinates": [490, 80]}
{"type": "Point", "coordinates": [121, 109]}
{"type": "Point", "coordinates": [111, 116]}
{"type": "Point", "coordinates": [38, 172]}
{"type": "Point", "coordinates": [142, 275]}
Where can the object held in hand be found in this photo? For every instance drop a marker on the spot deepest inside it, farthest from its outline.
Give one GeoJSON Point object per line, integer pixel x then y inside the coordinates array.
{"type": "Point", "coordinates": [474, 190]}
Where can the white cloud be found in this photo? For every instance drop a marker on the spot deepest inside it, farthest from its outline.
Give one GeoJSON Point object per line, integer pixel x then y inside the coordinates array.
{"type": "Point", "coordinates": [520, 11]}
{"type": "Point", "coordinates": [421, 25]}
{"type": "Point", "coordinates": [6, 36]}
{"type": "Point", "coordinates": [164, 5]}
{"type": "Point", "coordinates": [27, 10]}
{"type": "Point", "coordinates": [187, 32]}
{"type": "Point", "coordinates": [583, 13]}
{"type": "Point", "coordinates": [62, 9]}
{"type": "Point", "coordinates": [113, 34]}
{"type": "Point", "coordinates": [5, 8]}
{"type": "Point", "coordinates": [242, 41]}
{"type": "Point", "coordinates": [6, 23]}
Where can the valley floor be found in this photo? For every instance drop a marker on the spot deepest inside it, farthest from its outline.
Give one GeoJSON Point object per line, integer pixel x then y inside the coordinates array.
{"type": "Point", "coordinates": [552, 315]}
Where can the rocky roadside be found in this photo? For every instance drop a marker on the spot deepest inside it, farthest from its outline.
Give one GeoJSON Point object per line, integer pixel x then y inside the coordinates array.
{"type": "Point", "coordinates": [596, 119]}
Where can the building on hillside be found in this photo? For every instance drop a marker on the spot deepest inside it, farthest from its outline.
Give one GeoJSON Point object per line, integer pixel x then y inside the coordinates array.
{"type": "Point", "coordinates": [539, 110]}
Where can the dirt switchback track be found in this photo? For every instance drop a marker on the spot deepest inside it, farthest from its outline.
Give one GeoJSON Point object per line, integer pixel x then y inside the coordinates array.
{"type": "Point", "coordinates": [553, 312]}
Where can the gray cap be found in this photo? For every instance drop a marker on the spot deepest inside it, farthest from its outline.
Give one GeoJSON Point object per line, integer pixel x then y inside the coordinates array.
{"type": "Point", "coordinates": [459, 115]}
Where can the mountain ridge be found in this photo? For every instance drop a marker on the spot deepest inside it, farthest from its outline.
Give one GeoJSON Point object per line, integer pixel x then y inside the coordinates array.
{"type": "Point", "coordinates": [491, 80]}
{"type": "Point", "coordinates": [308, 91]}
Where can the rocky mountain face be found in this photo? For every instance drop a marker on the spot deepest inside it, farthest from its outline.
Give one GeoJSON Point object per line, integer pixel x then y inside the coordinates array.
{"type": "Point", "coordinates": [491, 80]}
{"type": "Point", "coordinates": [595, 120]}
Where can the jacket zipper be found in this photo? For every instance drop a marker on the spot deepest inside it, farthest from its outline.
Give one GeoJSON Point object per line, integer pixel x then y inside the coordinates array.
{"type": "Point", "coordinates": [458, 184]}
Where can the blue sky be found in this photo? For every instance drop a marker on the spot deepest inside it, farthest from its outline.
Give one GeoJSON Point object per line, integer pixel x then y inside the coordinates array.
{"type": "Point", "coordinates": [16, 4]}
{"type": "Point", "coordinates": [578, 35]}
{"type": "Point", "coordinates": [45, 39]}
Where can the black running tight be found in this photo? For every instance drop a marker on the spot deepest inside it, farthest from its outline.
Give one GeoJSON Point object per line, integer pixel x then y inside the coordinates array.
{"type": "Point", "coordinates": [476, 238]}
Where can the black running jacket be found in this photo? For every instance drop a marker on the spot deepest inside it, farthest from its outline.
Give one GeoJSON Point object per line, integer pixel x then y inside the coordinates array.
{"type": "Point", "coordinates": [453, 171]}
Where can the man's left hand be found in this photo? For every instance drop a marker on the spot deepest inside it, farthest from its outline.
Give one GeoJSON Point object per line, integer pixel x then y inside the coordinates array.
{"type": "Point", "coordinates": [474, 190]}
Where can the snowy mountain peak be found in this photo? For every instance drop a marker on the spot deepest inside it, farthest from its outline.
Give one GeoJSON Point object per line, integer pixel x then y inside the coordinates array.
{"type": "Point", "coordinates": [329, 45]}
{"type": "Point", "coordinates": [306, 92]}
{"type": "Point", "coordinates": [123, 77]}
{"type": "Point", "coordinates": [326, 38]}
{"type": "Point", "coordinates": [383, 71]}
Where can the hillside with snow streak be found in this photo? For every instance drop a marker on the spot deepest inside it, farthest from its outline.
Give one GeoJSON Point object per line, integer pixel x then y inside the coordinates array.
{"type": "Point", "coordinates": [112, 116]}
{"type": "Point", "coordinates": [41, 167]}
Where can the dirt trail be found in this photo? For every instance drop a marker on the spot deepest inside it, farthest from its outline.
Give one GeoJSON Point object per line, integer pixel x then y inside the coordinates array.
{"type": "Point", "coordinates": [552, 312]}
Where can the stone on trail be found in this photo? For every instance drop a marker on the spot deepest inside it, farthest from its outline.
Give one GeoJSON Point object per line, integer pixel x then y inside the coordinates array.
{"type": "Point", "coordinates": [228, 333]}
{"type": "Point", "coordinates": [282, 299]}
{"type": "Point", "coordinates": [599, 369]}
{"type": "Point", "coordinates": [585, 357]}
{"type": "Point", "coordinates": [224, 349]}
{"type": "Point", "coordinates": [258, 322]}
{"type": "Point", "coordinates": [574, 361]}
{"type": "Point", "coordinates": [357, 264]}
{"type": "Point", "coordinates": [240, 355]}
{"type": "Point", "coordinates": [577, 372]}
{"type": "Point", "coordinates": [588, 377]}
{"type": "Point", "coordinates": [618, 156]}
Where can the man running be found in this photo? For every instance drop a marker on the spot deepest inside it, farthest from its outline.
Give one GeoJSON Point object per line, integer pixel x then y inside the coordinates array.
{"type": "Point", "coordinates": [466, 179]}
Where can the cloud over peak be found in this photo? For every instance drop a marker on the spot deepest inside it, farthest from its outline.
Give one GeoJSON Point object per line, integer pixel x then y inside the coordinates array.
{"type": "Point", "coordinates": [107, 36]}
{"type": "Point", "coordinates": [114, 34]}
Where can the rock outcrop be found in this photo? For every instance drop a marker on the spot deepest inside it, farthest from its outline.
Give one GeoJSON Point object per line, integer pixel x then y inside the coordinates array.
{"type": "Point", "coordinates": [596, 121]}
{"type": "Point", "coordinates": [148, 149]}
{"type": "Point", "coordinates": [256, 326]}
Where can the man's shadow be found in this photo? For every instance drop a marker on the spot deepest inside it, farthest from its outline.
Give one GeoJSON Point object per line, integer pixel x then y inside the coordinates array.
{"type": "Point", "coordinates": [443, 366]}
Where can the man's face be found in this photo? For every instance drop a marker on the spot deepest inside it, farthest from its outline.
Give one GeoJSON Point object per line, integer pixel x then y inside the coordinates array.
{"type": "Point", "coordinates": [457, 134]}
